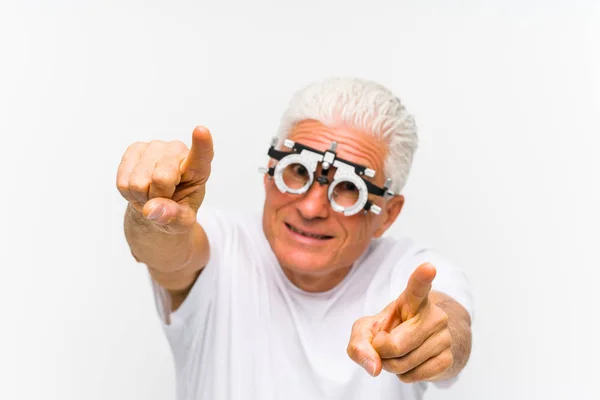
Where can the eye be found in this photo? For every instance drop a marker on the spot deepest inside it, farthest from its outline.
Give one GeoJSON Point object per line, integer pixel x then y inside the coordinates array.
{"type": "Point", "coordinates": [349, 186]}
{"type": "Point", "coordinates": [299, 170]}
{"type": "Point", "coordinates": [346, 194]}
{"type": "Point", "coordinates": [295, 176]}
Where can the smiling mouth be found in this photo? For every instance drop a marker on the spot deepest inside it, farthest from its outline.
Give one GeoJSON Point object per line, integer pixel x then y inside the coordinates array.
{"type": "Point", "coordinates": [306, 234]}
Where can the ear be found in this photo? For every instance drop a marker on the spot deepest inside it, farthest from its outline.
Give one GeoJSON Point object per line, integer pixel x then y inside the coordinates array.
{"type": "Point", "coordinates": [267, 176]}
{"type": "Point", "coordinates": [392, 209]}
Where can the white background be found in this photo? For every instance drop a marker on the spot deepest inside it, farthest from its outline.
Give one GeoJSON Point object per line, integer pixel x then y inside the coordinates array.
{"type": "Point", "coordinates": [505, 183]}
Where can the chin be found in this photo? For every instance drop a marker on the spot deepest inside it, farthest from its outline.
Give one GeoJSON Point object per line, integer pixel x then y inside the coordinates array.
{"type": "Point", "coordinates": [302, 261]}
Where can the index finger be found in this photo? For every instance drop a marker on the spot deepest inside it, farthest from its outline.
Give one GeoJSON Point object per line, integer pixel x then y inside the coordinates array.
{"type": "Point", "coordinates": [418, 287]}
{"type": "Point", "coordinates": [196, 165]}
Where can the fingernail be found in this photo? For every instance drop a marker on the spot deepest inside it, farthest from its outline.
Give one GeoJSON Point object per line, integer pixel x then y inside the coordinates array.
{"type": "Point", "coordinates": [156, 213]}
{"type": "Point", "coordinates": [369, 366]}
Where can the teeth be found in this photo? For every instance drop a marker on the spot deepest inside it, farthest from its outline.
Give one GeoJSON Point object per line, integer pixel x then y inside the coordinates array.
{"type": "Point", "coordinates": [306, 234]}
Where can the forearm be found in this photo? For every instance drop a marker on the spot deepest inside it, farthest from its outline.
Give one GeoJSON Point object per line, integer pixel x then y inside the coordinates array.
{"type": "Point", "coordinates": [174, 260]}
{"type": "Point", "coordinates": [459, 325]}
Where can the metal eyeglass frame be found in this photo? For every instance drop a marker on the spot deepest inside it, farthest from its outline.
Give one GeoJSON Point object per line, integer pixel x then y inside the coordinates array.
{"type": "Point", "coordinates": [346, 171]}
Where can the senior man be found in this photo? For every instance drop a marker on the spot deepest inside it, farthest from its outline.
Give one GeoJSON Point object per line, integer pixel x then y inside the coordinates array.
{"type": "Point", "coordinates": [306, 299]}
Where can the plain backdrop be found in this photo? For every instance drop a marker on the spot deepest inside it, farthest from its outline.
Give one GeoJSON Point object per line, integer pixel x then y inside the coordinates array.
{"type": "Point", "coordinates": [504, 184]}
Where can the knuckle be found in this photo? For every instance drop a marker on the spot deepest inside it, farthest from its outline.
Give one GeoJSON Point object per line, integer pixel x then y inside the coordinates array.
{"type": "Point", "coordinates": [394, 347]}
{"type": "Point", "coordinates": [445, 361]}
{"type": "Point", "coordinates": [357, 323]}
{"type": "Point", "coordinates": [406, 378]}
{"type": "Point", "coordinates": [122, 183]}
{"type": "Point", "coordinates": [398, 344]}
{"type": "Point", "coordinates": [156, 143]}
{"type": "Point", "coordinates": [360, 323]}
{"type": "Point", "coordinates": [352, 349]}
{"type": "Point", "coordinates": [178, 145]}
{"type": "Point", "coordinates": [124, 191]}
{"type": "Point", "coordinates": [136, 146]}
{"type": "Point", "coordinates": [396, 366]}
{"type": "Point", "coordinates": [154, 146]}
{"type": "Point", "coordinates": [444, 318]}
{"type": "Point", "coordinates": [441, 320]}
{"type": "Point", "coordinates": [138, 184]}
{"type": "Point", "coordinates": [446, 338]}
{"type": "Point", "coordinates": [355, 351]}
{"type": "Point", "coordinates": [163, 177]}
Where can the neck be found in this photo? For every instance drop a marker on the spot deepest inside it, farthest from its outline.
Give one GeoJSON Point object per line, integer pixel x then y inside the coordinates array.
{"type": "Point", "coordinates": [316, 282]}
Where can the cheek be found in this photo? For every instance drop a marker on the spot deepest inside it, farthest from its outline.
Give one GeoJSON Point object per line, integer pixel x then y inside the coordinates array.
{"type": "Point", "coordinates": [358, 228]}
{"type": "Point", "coordinates": [272, 194]}
{"type": "Point", "coordinates": [275, 201]}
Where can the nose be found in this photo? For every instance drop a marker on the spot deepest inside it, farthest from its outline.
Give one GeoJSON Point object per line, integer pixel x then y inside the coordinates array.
{"type": "Point", "coordinates": [314, 203]}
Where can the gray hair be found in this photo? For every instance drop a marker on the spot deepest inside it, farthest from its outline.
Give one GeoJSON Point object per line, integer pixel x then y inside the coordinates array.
{"type": "Point", "coordinates": [360, 104]}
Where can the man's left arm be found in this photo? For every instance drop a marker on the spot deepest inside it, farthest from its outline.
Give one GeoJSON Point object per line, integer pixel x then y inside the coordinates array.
{"type": "Point", "coordinates": [423, 335]}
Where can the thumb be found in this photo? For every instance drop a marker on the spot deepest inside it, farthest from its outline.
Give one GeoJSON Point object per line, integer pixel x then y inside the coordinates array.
{"type": "Point", "coordinates": [196, 166]}
{"type": "Point", "coordinates": [360, 349]}
{"type": "Point", "coordinates": [171, 216]}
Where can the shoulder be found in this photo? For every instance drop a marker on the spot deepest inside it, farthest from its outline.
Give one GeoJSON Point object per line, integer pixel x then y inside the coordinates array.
{"type": "Point", "coordinates": [404, 254]}
{"type": "Point", "coordinates": [394, 253]}
{"type": "Point", "coordinates": [229, 224]}
{"type": "Point", "coordinates": [233, 236]}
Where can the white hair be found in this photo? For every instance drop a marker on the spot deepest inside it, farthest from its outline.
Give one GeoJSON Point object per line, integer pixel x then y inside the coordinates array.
{"type": "Point", "coordinates": [363, 105]}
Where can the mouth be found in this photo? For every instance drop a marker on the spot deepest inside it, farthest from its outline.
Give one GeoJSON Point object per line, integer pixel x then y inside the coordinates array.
{"type": "Point", "coordinates": [307, 234]}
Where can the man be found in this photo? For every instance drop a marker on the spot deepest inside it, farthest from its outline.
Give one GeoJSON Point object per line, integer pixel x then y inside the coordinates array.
{"type": "Point", "coordinates": [306, 300]}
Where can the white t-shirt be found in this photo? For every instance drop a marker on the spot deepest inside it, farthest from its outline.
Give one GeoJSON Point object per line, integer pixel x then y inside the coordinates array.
{"type": "Point", "coordinates": [246, 332]}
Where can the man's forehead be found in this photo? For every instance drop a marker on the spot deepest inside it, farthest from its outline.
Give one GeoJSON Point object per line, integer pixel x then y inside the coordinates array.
{"type": "Point", "coordinates": [352, 142]}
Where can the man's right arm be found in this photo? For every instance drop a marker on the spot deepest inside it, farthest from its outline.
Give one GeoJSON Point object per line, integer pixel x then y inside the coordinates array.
{"type": "Point", "coordinates": [174, 260]}
{"type": "Point", "coordinates": [165, 186]}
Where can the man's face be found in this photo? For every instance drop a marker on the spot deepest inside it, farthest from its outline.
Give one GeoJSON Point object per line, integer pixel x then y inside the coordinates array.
{"type": "Point", "coordinates": [305, 233]}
